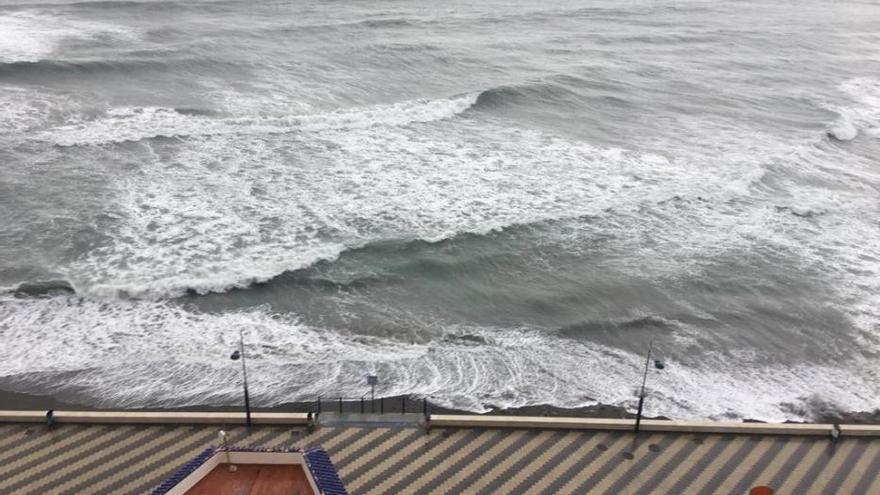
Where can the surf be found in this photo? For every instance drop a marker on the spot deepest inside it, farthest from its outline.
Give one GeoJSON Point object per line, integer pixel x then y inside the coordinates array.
{"type": "Point", "coordinates": [133, 124]}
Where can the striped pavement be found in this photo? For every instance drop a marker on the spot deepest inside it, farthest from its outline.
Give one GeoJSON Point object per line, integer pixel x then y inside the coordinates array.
{"type": "Point", "coordinates": [123, 459]}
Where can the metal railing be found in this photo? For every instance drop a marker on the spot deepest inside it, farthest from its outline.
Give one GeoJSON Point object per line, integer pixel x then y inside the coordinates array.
{"type": "Point", "coordinates": [367, 405]}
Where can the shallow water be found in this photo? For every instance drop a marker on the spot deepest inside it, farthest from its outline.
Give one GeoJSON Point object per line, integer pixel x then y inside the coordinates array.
{"type": "Point", "coordinates": [495, 205]}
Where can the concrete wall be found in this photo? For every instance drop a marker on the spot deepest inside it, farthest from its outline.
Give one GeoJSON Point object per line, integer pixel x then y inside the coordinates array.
{"type": "Point", "coordinates": [473, 421]}
{"type": "Point", "coordinates": [443, 420]}
{"type": "Point", "coordinates": [123, 417]}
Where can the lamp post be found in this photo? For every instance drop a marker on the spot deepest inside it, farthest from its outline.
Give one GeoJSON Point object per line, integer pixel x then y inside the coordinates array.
{"type": "Point", "coordinates": [239, 353]}
{"type": "Point", "coordinates": [657, 364]}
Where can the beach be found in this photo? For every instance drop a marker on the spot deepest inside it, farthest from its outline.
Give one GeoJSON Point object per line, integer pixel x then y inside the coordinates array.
{"type": "Point", "coordinates": [501, 207]}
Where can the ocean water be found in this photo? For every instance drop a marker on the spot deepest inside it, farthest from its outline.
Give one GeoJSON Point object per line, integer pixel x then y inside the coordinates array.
{"type": "Point", "coordinates": [492, 204]}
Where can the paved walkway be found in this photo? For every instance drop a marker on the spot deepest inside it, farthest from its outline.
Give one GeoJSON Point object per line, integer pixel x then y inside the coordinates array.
{"type": "Point", "coordinates": [117, 459]}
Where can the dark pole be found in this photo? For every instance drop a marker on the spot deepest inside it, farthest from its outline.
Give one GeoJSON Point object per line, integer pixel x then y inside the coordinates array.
{"type": "Point", "coordinates": [247, 398]}
{"type": "Point", "coordinates": [642, 392]}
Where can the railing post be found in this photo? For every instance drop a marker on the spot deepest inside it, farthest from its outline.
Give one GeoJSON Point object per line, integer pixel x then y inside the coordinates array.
{"type": "Point", "coordinates": [403, 405]}
{"type": "Point", "coordinates": [319, 405]}
{"type": "Point", "coordinates": [340, 405]}
{"type": "Point", "coordinates": [362, 404]}
{"type": "Point", "coordinates": [381, 405]}
{"type": "Point", "coordinates": [425, 407]}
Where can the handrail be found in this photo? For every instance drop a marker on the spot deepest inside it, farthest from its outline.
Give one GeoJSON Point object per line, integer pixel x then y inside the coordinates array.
{"type": "Point", "coordinates": [359, 403]}
{"type": "Point", "coordinates": [153, 417]}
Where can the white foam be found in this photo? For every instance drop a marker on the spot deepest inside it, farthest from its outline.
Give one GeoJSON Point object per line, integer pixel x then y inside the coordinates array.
{"type": "Point", "coordinates": [31, 37]}
{"type": "Point", "coordinates": [126, 124]}
{"type": "Point", "coordinates": [862, 115]}
{"type": "Point", "coordinates": [24, 110]}
{"type": "Point", "coordinates": [222, 211]}
{"type": "Point", "coordinates": [18, 111]}
{"type": "Point", "coordinates": [843, 130]}
{"type": "Point", "coordinates": [150, 353]}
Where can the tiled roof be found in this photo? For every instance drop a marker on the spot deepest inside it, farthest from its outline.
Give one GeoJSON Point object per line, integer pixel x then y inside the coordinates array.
{"type": "Point", "coordinates": [119, 459]}
{"type": "Point", "coordinates": [182, 472]}
{"type": "Point", "coordinates": [323, 472]}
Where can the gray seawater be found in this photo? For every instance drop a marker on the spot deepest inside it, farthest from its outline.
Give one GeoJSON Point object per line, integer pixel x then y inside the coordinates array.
{"type": "Point", "coordinates": [493, 205]}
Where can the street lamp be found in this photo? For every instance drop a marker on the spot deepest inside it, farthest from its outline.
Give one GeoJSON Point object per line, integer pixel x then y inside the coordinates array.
{"type": "Point", "coordinates": [239, 353]}
{"type": "Point", "coordinates": [657, 364]}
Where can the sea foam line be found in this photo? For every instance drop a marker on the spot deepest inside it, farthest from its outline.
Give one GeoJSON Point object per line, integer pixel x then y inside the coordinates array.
{"type": "Point", "coordinates": [132, 354]}
{"type": "Point", "coordinates": [127, 124]}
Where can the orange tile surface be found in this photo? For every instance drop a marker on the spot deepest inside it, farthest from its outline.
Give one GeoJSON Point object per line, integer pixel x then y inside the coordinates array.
{"type": "Point", "coordinates": [254, 479]}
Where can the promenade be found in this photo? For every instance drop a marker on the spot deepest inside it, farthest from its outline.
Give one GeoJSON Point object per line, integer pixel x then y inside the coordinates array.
{"type": "Point", "coordinates": [117, 453]}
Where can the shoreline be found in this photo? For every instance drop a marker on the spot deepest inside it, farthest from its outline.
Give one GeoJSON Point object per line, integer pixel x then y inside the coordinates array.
{"type": "Point", "coordinates": [18, 401]}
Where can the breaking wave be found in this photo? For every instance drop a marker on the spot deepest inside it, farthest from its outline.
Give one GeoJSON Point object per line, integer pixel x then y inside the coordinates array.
{"type": "Point", "coordinates": [861, 118]}
{"type": "Point", "coordinates": [559, 90]}
{"type": "Point", "coordinates": [137, 354]}
{"type": "Point", "coordinates": [221, 215]}
{"type": "Point", "coordinates": [29, 38]}
{"type": "Point", "coordinates": [128, 124]}
{"type": "Point", "coordinates": [132, 124]}
{"type": "Point", "coordinates": [477, 258]}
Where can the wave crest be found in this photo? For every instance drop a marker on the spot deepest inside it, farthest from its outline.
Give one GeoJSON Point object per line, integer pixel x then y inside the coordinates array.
{"type": "Point", "coordinates": [559, 90]}
{"type": "Point", "coordinates": [27, 37]}
{"type": "Point", "coordinates": [129, 124]}
{"type": "Point", "coordinates": [861, 118]}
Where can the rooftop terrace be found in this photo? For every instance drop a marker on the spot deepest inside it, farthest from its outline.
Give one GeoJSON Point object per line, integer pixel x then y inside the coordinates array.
{"type": "Point", "coordinates": [460, 456]}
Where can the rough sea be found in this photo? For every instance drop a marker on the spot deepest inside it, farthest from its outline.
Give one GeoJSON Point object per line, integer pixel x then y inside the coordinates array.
{"type": "Point", "coordinates": [491, 204]}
